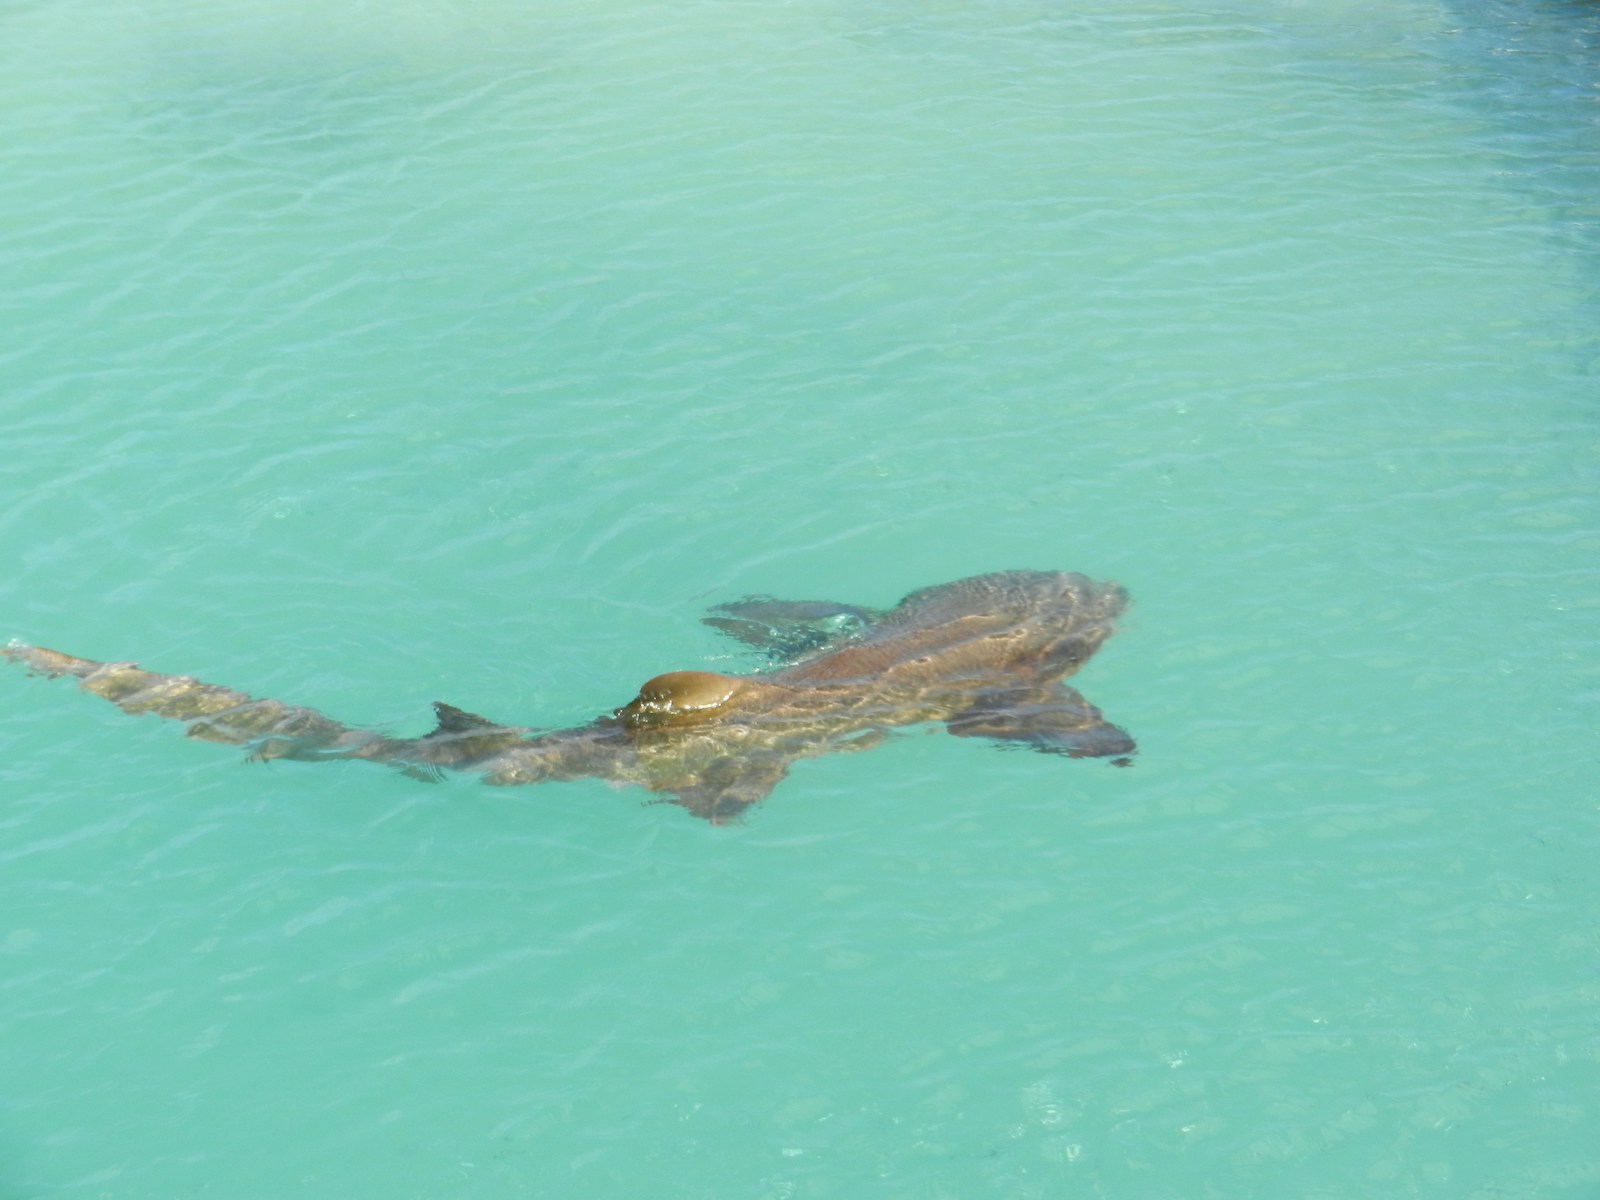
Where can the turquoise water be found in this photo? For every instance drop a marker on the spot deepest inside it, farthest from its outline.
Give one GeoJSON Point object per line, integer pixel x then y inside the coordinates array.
{"type": "Point", "coordinates": [363, 355]}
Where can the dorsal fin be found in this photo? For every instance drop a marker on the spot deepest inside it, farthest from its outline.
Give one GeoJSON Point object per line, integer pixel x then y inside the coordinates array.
{"type": "Point", "coordinates": [457, 720]}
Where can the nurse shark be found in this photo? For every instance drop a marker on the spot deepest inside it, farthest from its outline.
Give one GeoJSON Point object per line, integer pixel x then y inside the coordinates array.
{"type": "Point", "coordinates": [984, 656]}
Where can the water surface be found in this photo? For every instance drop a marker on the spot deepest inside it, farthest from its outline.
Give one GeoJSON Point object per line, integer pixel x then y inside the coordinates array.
{"type": "Point", "coordinates": [364, 356]}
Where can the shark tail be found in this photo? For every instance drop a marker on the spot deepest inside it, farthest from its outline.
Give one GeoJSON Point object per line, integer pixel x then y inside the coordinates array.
{"type": "Point", "coordinates": [270, 728]}
{"type": "Point", "coordinates": [211, 713]}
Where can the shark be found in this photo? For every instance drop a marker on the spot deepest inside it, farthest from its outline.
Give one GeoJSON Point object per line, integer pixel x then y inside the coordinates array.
{"type": "Point", "coordinates": [984, 656]}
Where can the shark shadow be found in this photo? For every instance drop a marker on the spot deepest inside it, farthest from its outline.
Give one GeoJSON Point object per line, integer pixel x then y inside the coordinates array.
{"type": "Point", "coordinates": [985, 656]}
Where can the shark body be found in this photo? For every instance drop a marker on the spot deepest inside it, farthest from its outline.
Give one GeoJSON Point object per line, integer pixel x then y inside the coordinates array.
{"type": "Point", "coordinates": [986, 656]}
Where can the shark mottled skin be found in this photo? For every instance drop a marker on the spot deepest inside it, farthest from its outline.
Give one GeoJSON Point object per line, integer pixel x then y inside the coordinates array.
{"type": "Point", "coordinates": [986, 656]}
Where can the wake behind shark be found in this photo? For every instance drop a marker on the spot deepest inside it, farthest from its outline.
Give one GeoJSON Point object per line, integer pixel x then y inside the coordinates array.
{"type": "Point", "coordinates": [985, 656]}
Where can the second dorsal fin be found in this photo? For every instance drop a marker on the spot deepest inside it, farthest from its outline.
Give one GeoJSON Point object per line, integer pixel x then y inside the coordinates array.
{"type": "Point", "coordinates": [457, 720]}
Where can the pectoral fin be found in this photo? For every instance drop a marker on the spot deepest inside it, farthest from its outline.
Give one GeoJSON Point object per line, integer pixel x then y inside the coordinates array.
{"type": "Point", "coordinates": [1055, 720]}
{"type": "Point", "coordinates": [786, 630]}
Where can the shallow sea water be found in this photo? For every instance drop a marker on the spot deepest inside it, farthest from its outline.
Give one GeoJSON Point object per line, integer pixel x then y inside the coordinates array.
{"type": "Point", "coordinates": [363, 355]}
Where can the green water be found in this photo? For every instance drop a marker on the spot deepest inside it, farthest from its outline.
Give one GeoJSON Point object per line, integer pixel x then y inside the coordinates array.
{"type": "Point", "coordinates": [363, 355]}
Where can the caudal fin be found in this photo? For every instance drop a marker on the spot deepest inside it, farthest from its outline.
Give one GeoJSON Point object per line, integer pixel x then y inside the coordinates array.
{"type": "Point", "coordinates": [212, 713]}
